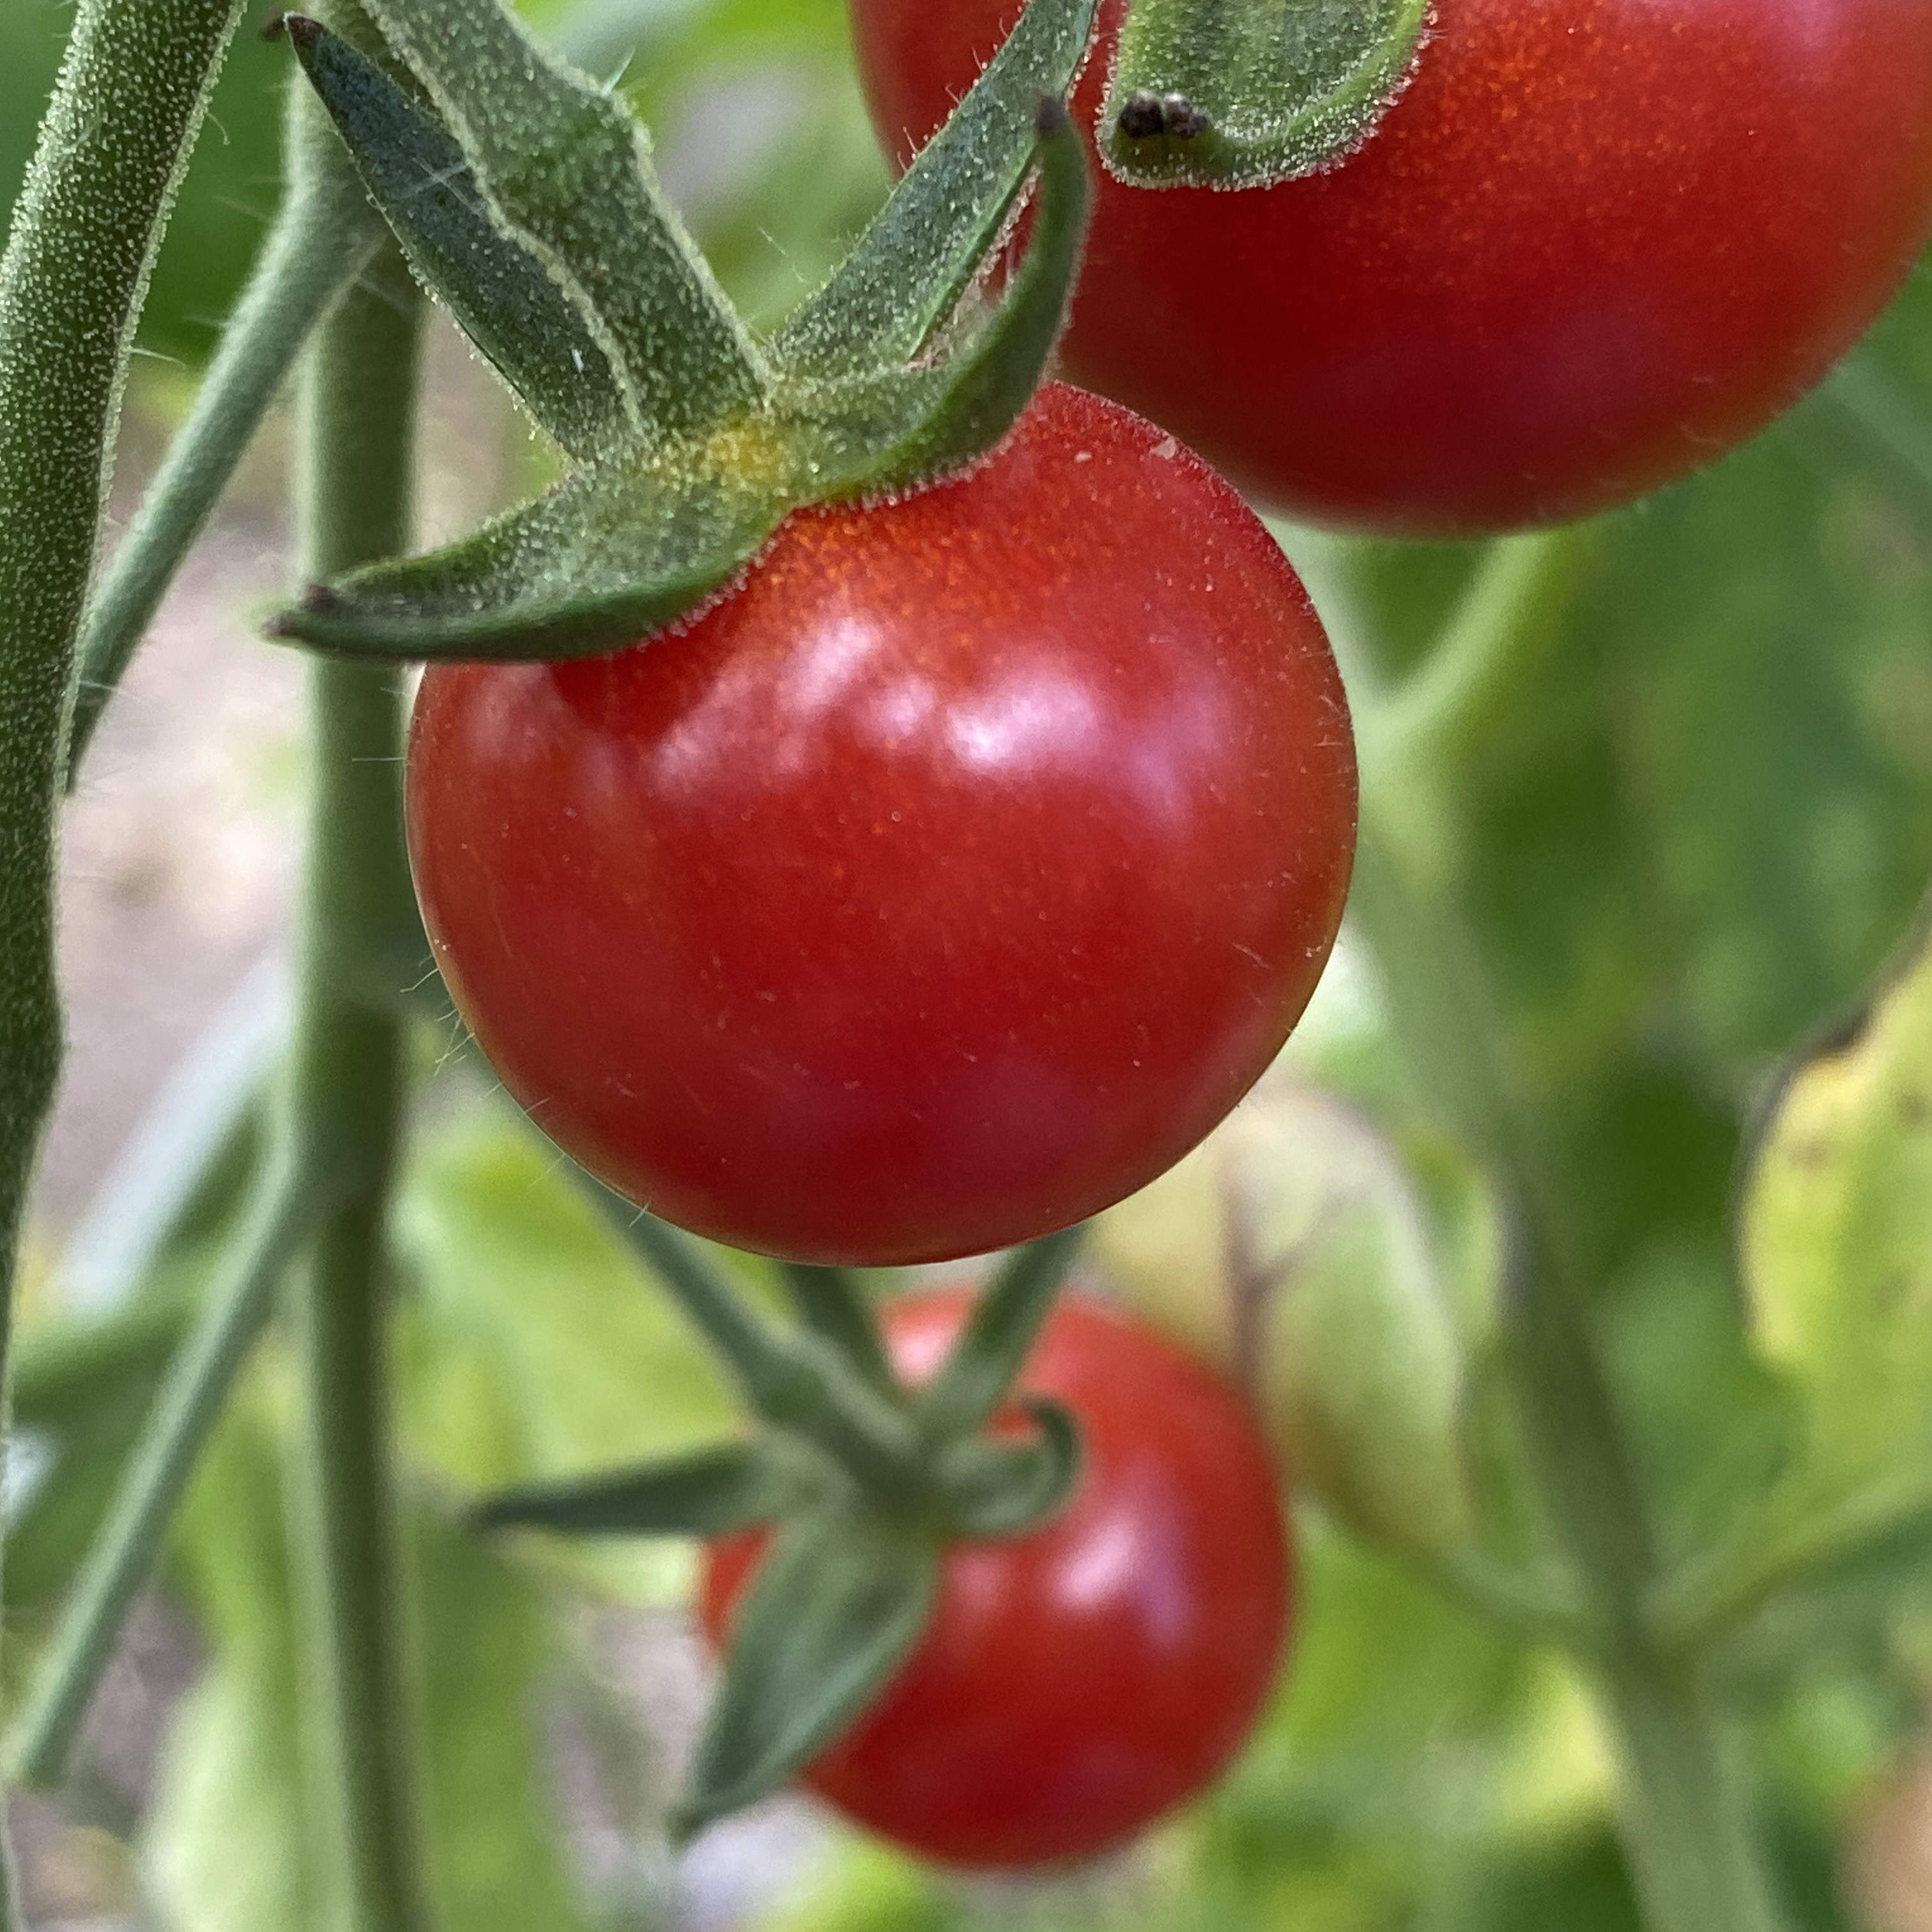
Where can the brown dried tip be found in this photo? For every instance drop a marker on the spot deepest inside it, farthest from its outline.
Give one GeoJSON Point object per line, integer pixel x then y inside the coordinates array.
{"type": "Point", "coordinates": [319, 600]}
{"type": "Point", "coordinates": [1141, 115]}
{"type": "Point", "coordinates": [1049, 115]}
{"type": "Point", "coordinates": [300, 28]}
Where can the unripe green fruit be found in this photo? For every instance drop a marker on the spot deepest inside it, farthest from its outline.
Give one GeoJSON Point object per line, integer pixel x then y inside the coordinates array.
{"type": "Point", "coordinates": [1290, 1248]}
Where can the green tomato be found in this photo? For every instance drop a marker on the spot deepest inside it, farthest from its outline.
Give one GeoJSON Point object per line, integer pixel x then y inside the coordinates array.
{"type": "Point", "coordinates": [1290, 1248]}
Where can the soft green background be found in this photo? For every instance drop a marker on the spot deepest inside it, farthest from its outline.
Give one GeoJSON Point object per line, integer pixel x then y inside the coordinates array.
{"type": "Point", "coordinates": [1691, 830]}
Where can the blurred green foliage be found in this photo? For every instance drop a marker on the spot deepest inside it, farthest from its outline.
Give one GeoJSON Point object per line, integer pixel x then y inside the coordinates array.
{"type": "Point", "coordinates": [1691, 829]}
{"type": "Point", "coordinates": [759, 132]}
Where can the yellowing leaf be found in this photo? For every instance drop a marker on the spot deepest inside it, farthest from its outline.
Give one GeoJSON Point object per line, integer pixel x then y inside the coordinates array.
{"type": "Point", "coordinates": [1835, 1231]}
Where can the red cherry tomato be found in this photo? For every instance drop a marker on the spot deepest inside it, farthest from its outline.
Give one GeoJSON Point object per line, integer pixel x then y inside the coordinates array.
{"type": "Point", "coordinates": [1595, 243]}
{"type": "Point", "coordinates": [944, 883]}
{"type": "Point", "coordinates": [1074, 1682]}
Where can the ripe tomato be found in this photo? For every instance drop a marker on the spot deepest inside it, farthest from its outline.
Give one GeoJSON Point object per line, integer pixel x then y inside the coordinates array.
{"type": "Point", "coordinates": [942, 884]}
{"type": "Point", "coordinates": [1074, 1682]}
{"type": "Point", "coordinates": [1595, 243]}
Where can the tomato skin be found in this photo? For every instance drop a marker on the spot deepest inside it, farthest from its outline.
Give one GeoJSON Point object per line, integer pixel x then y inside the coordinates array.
{"type": "Point", "coordinates": [1592, 245]}
{"type": "Point", "coordinates": [1075, 1682]}
{"type": "Point", "coordinates": [944, 884]}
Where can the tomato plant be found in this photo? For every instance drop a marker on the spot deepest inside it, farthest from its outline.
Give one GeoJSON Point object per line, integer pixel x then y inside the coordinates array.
{"type": "Point", "coordinates": [1074, 1682]}
{"type": "Point", "coordinates": [866, 833]}
{"type": "Point", "coordinates": [944, 882]}
{"type": "Point", "coordinates": [1592, 245]}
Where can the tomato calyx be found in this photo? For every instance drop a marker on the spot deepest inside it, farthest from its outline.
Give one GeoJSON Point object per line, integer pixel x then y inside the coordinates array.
{"type": "Point", "coordinates": [523, 196]}
{"type": "Point", "coordinates": [862, 1482]}
{"type": "Point", "coordinates": [1203, 95]}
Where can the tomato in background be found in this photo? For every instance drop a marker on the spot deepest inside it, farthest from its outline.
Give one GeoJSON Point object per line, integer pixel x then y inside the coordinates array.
{"type": "Point", "coordinates": [942, 884]}
{"type": "Point", "coordinates": [1594, 244]}
{"type": "Point", "coordinates": [1074, 1682]}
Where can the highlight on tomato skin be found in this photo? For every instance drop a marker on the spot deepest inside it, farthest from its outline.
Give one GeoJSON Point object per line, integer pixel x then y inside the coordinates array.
{"type": "Point", "coordinates": [1075, 1682]}
{"type": "Point", "coordinates": [1593, 244]}
{"type": "Point", "coordinates": [939, 886]}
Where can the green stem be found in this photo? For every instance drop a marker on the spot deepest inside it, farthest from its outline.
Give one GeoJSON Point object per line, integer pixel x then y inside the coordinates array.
{"type": "Point", "coordinates": [795, 1381]}
{"type": "Point", "coordinates": [833, 1307]}
{"type": "Point", "coordinates": [347, 1086]}
{"type": "Point", "coordinates": [124, 1550]}
{"type": "Point", "coordinates": [1710, 1598]}
{"type": "Point", "coordinates": [130, 100]}
{"type": "Point", "coordinates": [325, 233]}
{"type": "Point", "coordinates": [1685, 1816]}
{"type": "Point", "coordinates": [1486, 650]}
{"type": "Point", "coordinates": [980, 1366]}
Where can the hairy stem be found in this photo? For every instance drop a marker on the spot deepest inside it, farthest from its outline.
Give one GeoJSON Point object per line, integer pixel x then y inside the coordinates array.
{"type": "Point", "coordinates": [346, 1087]}
{"type": "Point", "coordinates": [130, 98]}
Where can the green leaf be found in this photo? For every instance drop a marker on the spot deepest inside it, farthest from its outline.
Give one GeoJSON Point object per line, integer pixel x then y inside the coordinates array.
{"type": "Point", "coordinates": [907, 272]}
{"type": "Point", "coordinates": [81, 1395]}
{"type": "Point", "coordinates": [502, 296]}
{"type": "Point", "coordinates": [494, 1848]}
{"type": "Point", "coordinates": [706, 1492]}
{"type": "Point", "coordinates": [1835, 1231]}
{"type": "Point", "coordinates": [230, 1846]}
{"type": "Point", "coordinates": [1406, 1730]}
{"type": "Point", "coordinates": [1209, 95]}
{"type": "Point", "coordinates": [830, 1612]}
{"type": "Point", "coordinates": [231, 1841]}
{"type": "Point", "coordinates": [566, 168]}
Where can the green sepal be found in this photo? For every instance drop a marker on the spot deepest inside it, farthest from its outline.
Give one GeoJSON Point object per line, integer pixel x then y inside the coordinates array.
{"type": "Point", "coordinates": [1206, 94]}
{"type": "Point", "coordinates": [828, 1615]}
{"type": "Point", "coordinates": [635, 539]}
{"type": "Point", "coordinates": [1000, 1486]}
{"type": "Point", "coordinates": [997, 1335]}
{"type": "Point", "coordinates": [908, 272]}
{"type": "Point", "coordinates": [501, 295]}
{"type": "Point", "coordinates": [564, 166]}
{"type": "Point", "coordinates": [969, 401]}
{"type": "Point", "coordinates": [707, 1492]}
{"type": "Point", "coordinates": [617, 549]}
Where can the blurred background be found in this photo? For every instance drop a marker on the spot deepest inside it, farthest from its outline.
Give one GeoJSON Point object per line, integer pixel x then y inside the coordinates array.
{"type": "Point", "coordinates": [1690, 838]}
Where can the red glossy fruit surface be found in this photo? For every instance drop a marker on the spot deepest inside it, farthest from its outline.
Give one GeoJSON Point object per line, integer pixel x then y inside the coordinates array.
{"type": "Point", "coordinates": [1595, 243]}
{"type": "Point", "coordinates": [1074, 1682]}
{"type": "Point", "coordinates": [942, 884]}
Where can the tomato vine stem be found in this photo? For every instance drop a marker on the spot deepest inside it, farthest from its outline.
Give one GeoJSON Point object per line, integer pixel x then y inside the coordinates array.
{"type": "Point", "coordinates": [346, 1084]}
{"type": "Point", "coordinates": [325, 234]}
{"type": "Point", "coordinates": [198, 1377]}
{"type": "Point", "coordinates": [1685, 1813]}
{"type": "Point", "coordinates": [804, 1382]}
{"type": "Point", "coordinates": [832, 1305]}
{"type": "Point", "coordinates": [130, 100]}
